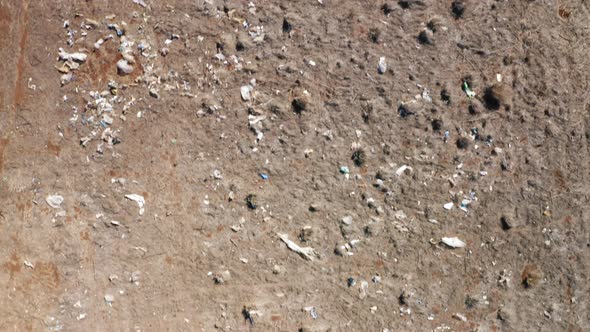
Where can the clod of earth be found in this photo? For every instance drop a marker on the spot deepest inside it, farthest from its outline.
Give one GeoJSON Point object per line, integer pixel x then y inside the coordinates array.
{"type": "Point", "coordinates": [458, 8]}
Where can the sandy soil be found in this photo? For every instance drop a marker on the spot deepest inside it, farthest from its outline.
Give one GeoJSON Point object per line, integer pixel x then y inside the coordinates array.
{"type": "Point", "coordinates": [241, 123]}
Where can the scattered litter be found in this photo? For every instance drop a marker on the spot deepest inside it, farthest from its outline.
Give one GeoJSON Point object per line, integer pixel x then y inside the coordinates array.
{"type": "Point", "coordinates": [29, 264]}
{"type": "Point", "coordinates": [460, 317]}
{"type": "Point", "coordinates": [453, 242]}
{"type": "Point", "coordinates": [312, 311]}
{"type": "Point", "coordinates": [363, 289]}
{"type": "Point", "coordinates": [468, 91]}
{"type": "Point", "coordinates": [140, 2]}
{"type": "Point", "coordinates": [402, 169]}
{"type": "Point", "coordinates": [54, 201]}
{"type": "Point", "coordinates": [77, 57]}
{"type": "Point", "coordinates": [344, 170]}
{"type": "Point", "coordinates": [307, 252]}
{"type": "Point", "coordinates": [382, 67]}
{"type": "Point", "coordinates": [263, 176]}
{"type": "Point", "coordinates": [102, 41]}
{"type": "Point", "coordinates": [448, 206]}
{"type": "Point", "coordinates": [140, 201]}
{"type": "Point", "coordinates": [109, 299]}
{"type": "Point", "coordinates": [246, 92]}
{"type": "Point", "coordinates": [347, 220]}
{"type": "Point", "coordinates": [123, 67]}
{"type": "Point", "coordinates": [351, 282]}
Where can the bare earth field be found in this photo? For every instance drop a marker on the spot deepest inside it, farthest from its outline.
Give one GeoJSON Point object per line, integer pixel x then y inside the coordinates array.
{"type": "Point", "coordinates": [305, 165]}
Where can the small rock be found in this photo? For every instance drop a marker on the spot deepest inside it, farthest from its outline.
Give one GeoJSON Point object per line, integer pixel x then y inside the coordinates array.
{"type": "Point", "coordinates": [507, 222]}
{"type": "Point", "coordinates": [458, 8]}
{"type": "Point", "coordinates": [437, 124]}
{"type": "Point", "coordinates": [314, 207]}
{"type": "Point", "coordinates": [287, 26]}
{"type": "Point", "coordinates": [426, 37]}
{"type": "Point", "coordinates": [462, 143]}
{"type": "Point", "coordinates": [278, 269]}
{"type": "Point", "coordinates": [299, 105]}
{"type": "Point", "coordinates": [347, 220]}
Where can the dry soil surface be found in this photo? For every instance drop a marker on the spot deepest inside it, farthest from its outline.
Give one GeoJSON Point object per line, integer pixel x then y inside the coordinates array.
{"type": "Point", "coordinates": [371, 134]}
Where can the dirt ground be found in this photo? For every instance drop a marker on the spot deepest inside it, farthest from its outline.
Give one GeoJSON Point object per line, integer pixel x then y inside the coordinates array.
{"type": "Point", "coordinates": [247, 125]}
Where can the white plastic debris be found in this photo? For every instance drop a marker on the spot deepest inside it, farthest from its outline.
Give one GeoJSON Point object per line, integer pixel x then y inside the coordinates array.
{"type": "Point", "coordinates": [453, 242]}
{"type": "Point", "coordinates": [140, 201]}
{"type": "Point", "coordinates": [312, 311]}
{"type": "Point", "coordinates": [109, 298]}
{"type": "Point", "coordinates": [101, 41]}
{"type": "Point", "coordinates": [29, 264]}
{"type": "Point", "coordinates": [460, 317]}
{"type": "Point", "coordinates": [246, 91]}
{"type": "Point", "coordinates": [66, 78]}
{"type": "Point", "coordinates": [65, 56]}
{"type": "Point", "coordinates": [124, 67]}
{"type": "Point", "coordinates": [307, 252]}
{"type": "Point", "coordinates": [448, 206]}
{"type": "Point", "coordinates": [140, 2]}
{"type": "Point", "coordinates": [382, 67]}
{"type": "Point", "coordinates": [217, 174]}
{"type": "Point", "coordinates": [54, 201]}
{"type": "Point", "coordinates": [402, 169]}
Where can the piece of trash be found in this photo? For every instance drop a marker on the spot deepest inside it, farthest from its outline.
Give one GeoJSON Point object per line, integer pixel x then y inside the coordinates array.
{"type": "Point", "coordinates": [248, 315]}
{"type": "Point", "coordinates": [246, 92]}
{"type": "Point", "coordinates": [29, 264]}
{"type": "Point", "coordinates": [402, 169]}
{"type": "Point", "coordinates": [65, 56]}
{"type": "Point", "coordinates": [101, 41]}
{"type": "Point", "coordinates": [312, 311]}
{"type": "Point", "coordinates": [346, 220]}
{"type": "Point", "coordinates": [382, 67]}
{"type": "Point", "coordinates": [66, 78]}
{"type": "Point", "coordinates": [363, 289]}
{"type": "Point", "coordinates": [460, 317]}
{"type": "Point", "coordinates": [307, 252]}
{"type": "Point", "coordinates": [54, 201]}
{"type": "Point", "coordinates": [468, 91]}
{"type": "Point", "coordinates": [448, 206]}
{"type": "Point", "coordinates": [351, 282]}
{"type": "Point", "coordinates": [109, 298]}
{"type": "Point", "coordinates": [453, 242]}
{"type": "Point", "coordinates": [140, 201]}
{"type": "Point", "coordinates": [140, 2]}
{"type": "Point", "coordinates": [263, 176]}
{"type": "Point", "coordinates": [115, 223]}
{"type": "Point", "coordinates": [217, 174]}
{"type": "Point", "coordinates": [123, 67]}
{"type": "Point", "coordinates": [344, 170]}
